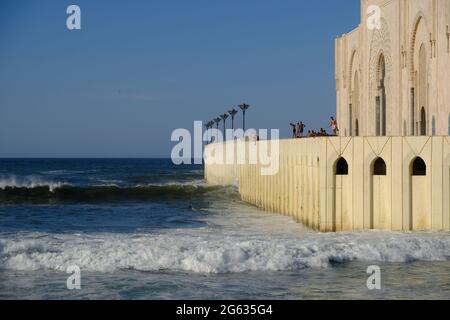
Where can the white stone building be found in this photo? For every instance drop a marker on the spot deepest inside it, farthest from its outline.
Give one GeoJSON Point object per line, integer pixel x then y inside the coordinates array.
{"type": "Point", "coordinates": [389, 168]}
{"type": "Point", "coordinates": [393, 79]}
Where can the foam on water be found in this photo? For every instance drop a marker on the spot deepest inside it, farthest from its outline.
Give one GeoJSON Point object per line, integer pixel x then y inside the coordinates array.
{"type": "Point", "coordinates": [205, 251]}
{"type": "Point", "coordinates": [28, 182]}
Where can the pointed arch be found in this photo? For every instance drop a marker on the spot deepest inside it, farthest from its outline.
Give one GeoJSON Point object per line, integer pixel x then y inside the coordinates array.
{"type": "Point", "coordinates": [423, 122]}
{"type": "Point", "coordinates": [341, 167]}
{"type": "Point", "coordinates": [379, 167]}
{"type": "Point", "coordinates": [354, 86]}
{"type": "Point", "coordinates": [418, 167]}
{"type": "Point", "coordinates": [420, 18]}
{"type": "Point", "coordinates": [381, 103]}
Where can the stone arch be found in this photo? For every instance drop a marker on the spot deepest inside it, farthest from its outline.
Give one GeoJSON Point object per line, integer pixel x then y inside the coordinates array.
{"type": "Point", "coordinates": [418, 167]}
{"type": "Point", "coordinates": [380, 63]}
{"type": "Point", "coordinates": [419, 195]}
{"type": "Point", "coordinates": [379, 167]}
{"type": "Point", "coordinates": [342, 196]}
{"type": "Point", "coordinates": [354, 65]}
{"type": "Point", "coordinates": [341, 167]}
{"type": "Point", "coordinates": [418, 64]}
{"type": "Point", "coordinates": [356, 101]}
{"type": "Point", "coordinates": [381, 67]}
{"type": "Point", "coordinates": [354, 85]}
{"type": "Point", "coordinates": [423, 122]}
{"type": "Point", "coordinates": [380, 44]}
{"type": "Point", "coordinates": [380, 196]}
{"type": "Point", "coordinates": [422, 88]}
{"type": "Point", "coordinates": [381, 97]}
{"type": "Point", "coordinates": [420, 18]}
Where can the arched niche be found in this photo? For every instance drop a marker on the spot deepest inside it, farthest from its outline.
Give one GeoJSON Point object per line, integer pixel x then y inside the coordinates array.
{"type": "Point", "coordinates": [341, 168]}
{"type": "Point", "coordinates": [418, 167]}
{"type": "Point", "coordinates": [342, 203]}
{"type": "Point", "coordinates": [420, 196]}
{"type": "Point", "coordinates": [381, 197]}
{"type": "Point", "coordinates": [379, 167]}
{"type": "Point", "coordinates": [380, 99]}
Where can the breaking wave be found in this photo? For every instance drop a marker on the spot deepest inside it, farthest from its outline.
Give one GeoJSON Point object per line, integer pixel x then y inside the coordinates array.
{"type": "Point", "coordinates": [212, 253]}
{"type": "Point", "coordinates": [62, 193]}
{"type": "Point", "coordinates": [31, 182]}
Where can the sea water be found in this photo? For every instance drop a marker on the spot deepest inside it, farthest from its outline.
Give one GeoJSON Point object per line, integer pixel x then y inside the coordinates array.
{"type": "Point", "coordinates": [147, 229]}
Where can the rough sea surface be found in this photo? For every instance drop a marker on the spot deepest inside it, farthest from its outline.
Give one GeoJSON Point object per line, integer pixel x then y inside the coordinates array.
{"type": "Point", "coordinates": [146, 229]}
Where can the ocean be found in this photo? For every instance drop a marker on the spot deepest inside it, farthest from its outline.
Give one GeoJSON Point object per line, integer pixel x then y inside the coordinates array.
{"type": "Point", "coordinates": [147, 229]}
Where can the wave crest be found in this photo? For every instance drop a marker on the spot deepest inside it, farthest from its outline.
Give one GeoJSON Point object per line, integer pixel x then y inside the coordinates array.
{"type": "Point", "coordinates": [62, 193]}
{"type": "Point", "coordinates": [31, 182]}
{"type": "Point", "coordinates": [207, 253]}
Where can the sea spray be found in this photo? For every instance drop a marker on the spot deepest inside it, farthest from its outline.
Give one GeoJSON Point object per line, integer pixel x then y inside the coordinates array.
{"type": "Point", "coordinates": [203, 252]}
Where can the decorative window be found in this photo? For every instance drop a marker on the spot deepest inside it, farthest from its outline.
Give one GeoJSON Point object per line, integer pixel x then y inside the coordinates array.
{"type": "Point", "coordinates": [379, 167]}
{"type": "Point", "coordinates": [419, 168]}
{"type": "Point", "coordinates": [341, 167]}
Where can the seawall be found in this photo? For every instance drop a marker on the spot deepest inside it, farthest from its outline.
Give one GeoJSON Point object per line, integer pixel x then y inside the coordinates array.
{"type": "Point", "coordinates": [345, 183]}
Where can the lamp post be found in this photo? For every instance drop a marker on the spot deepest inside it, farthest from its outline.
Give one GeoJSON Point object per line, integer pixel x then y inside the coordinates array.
{"type": "Point", "coordinates": [217, 121]}
{"type": "Point", "coordinates": [244, 108]}
{"type": "Point", "coordinates": [224, 118]}
{"type": "Point", "coordinates": [232, 113]}
{"type": "Point", "coordinates": [211, 124]}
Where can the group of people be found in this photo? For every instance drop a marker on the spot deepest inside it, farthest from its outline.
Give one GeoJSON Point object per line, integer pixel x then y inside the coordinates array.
{"type": "Point", "coordinates": [298, 130]}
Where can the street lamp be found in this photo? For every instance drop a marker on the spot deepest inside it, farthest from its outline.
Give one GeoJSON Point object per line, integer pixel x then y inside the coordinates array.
{"type": "Point", "coordinates": [232, 113]}
{"type": "Point", "coordinates": [211, 124]}
{"type": "Point", "coordinates": [217, 121]}
{"type": "Point", "coordinates": [244, 108]}
{"type": "Point", "coordinates": [224, 118]}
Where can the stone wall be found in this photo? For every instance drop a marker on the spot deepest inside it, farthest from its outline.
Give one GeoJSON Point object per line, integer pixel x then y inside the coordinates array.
{"type": "Point", "coordinates": [384, 186]}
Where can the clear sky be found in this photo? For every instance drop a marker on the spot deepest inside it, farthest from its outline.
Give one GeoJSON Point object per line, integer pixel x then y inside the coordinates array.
{"type": "Point", "coordinates": [139, 69]}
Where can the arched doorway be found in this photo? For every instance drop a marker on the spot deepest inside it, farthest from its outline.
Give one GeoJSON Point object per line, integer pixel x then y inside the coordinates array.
{"type": "Point", "coordinates": [380, 100]}
{"type": "Point", "coordinates": [420, 198]}
{"type": "Point", "coordinates": [423, 90]}
{"type": "Point", "coordinates": [341, 167]}
{"type": "Point", "coordinates": [342, 213]}
{"type": "Point", "coordinates": [355, 105]}
{"type": "Point", "coordinates": [381, 196]}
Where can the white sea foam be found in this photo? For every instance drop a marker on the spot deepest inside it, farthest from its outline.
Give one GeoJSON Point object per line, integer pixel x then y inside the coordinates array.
{"type": "Point", "coordinates": [203, 251]}
{"type": "Point", "coordinates": [28, 182]}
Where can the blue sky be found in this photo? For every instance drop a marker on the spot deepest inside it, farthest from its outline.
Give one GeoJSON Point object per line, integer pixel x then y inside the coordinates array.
{"type": "Point", "coordinates": [139, 69]}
